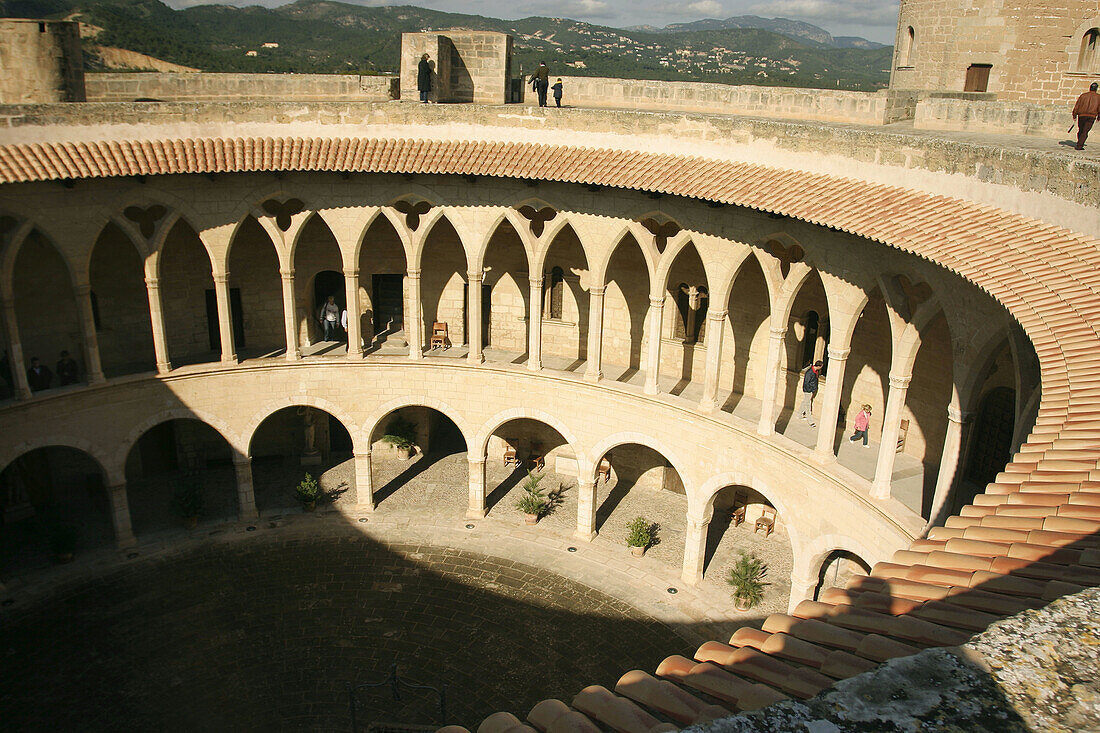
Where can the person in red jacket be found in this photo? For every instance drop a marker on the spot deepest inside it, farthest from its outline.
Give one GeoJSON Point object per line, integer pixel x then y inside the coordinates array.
{"type": "Point", "coordinates": [1085, 112]}
{"type": "Point", "coordinates": [863, 421]}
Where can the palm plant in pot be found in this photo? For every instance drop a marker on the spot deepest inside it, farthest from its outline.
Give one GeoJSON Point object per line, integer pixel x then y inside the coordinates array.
{"type": "Point", "coordinates": [187, 499]}
{"type": "Point", "coordinates": [62, 541]}
{"type": "Point", "coordinates": [307, 492]}
{"type": "Point", "coordinates": [401, 434]}
{"type": "Point", "coordinates": [746, 577]}
{"type": "Point", "coordinates": [533, 502]}
{"type": "Point", "coordinates": [640, 534]}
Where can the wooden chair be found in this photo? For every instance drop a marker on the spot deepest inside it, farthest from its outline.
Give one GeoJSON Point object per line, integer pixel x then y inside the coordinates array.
{"type": "Point", "coordinates": [537, 458]}
{"type": "Point", "coordinates": [737, 511]}
{"type": "Point", "coordinates": [510, 458]}
{"type": "Point", "coordinates": [604, 470]}
{"type": "Point", "coordinates": [903, 433]}
{"type": "Point", "coordinates": [766, 521]}
{"type": "Point", "coordinates": [440, 339]}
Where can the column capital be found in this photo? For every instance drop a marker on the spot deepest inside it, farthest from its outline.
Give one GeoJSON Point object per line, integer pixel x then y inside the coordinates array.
{"type": "Point", "coordinates": [838, 354]}
{"type": "Point", "coordinates": [413, 274]}
{"type": "Point", "coordinates": [778, 332]}
{"type": "Point", "coordinates": [475, 277]}
{"type": "Point", "coordinates": [587, 484]}
{"type": "Point", "coordinates": [152, 283]}
{"type": "Point", "coordinates": [898, 381]}
{"type": "Point", "coordinates": [82, 290]}
{"type": "Point", "coordinates": [351, 272]}
{"type": "Point", "coordinates": [657, 302]}
{"type": "Point", "coordinates": [536, 283]}
{"type": "Point", "coordinates": [221, 277]}
{"type": "Point", "coordinates": [954, 414]}
{"type": "Point", "coordinates": [361, 454]}
{"type": "Point", "coordinates": [475, 461]}
{"type": "Point", "coordinates": [240, 460]}
{"type": "Point", "coordinates": [717, 315]}
{"type": "Point", "coordinates": [287, 274]}
{"type": "Point", "coordinates": [8, 303]}
{"type": "Point", "coordinates": [597, 292]}
{"type": "Point", "coordinates": [697, 523]}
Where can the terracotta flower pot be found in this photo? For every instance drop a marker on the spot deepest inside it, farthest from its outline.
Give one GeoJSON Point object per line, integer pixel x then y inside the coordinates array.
{"type": "Point", "coordinates": [309, 505]}
{"type": "Point", "coordinates": [531, 518]}
{"type": "Point", "coordinates": [404, 454]}
{"type": "Point", "coordinates": [637, 551]}
{"type": "Point", "coordinates": [742, 604]}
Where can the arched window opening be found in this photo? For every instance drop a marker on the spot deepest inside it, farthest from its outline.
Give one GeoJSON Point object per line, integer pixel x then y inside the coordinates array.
{"type": "Point", "coordinates": [691, 313]}
{"type": "Point", "coordinates": [555, 294]}
{"type": "Point", "coordinates": [992, 435]}
{"type": "Point", "coordinates": [1088, 60]}
{"type": "Point", "coordinates": [908, 41]}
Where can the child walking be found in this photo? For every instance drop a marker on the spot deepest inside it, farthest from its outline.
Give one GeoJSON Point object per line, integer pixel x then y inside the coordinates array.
{"type": "Point", "coordinates": [557, 92]}
{"type": "Point", "coordinates": [863, 421]}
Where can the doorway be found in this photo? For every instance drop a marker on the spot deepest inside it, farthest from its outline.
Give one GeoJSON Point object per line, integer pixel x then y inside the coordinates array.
{"type": "Point", "coordinates": [992, 435]}
{"type": "Point", "coordinates": [389, 304]}
{"type": "Point", "coordinates": [977, 78]}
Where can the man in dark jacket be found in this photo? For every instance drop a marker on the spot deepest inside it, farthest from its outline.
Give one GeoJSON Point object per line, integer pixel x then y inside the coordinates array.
{"type": "Point", "coordinates": [39, 376]}
{"type": "Point", "coordinates": [540, 80]}
{"type": "Point", "coordinates": [424, 78]}
{"type": "Point", "coordinates": [67, 370]}
{"type": "Point", "coordinates": [1085, 111]}
{"type": "Point", "coordinates": [809, 389]}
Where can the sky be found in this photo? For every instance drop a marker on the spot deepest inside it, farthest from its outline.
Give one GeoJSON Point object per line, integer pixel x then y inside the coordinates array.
{"type": "Point", "coordinates": [872, 19]}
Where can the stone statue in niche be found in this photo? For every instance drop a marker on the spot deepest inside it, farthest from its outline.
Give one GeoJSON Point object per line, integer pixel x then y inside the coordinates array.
{"type": "Point", "coordinates": [310, 456]}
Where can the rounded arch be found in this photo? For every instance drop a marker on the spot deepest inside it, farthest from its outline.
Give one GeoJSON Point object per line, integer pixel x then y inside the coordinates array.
{"type": "Point", "coordinates": [270, 408]}
{"type": "Point", "coordinates": [808, 563]}
{"type": "Point", "coordinates": [600, 449]}
{"type": "Point", "coordinates": [111, 471]}
{"type": "Point", "coordinates": [370, 425]}
{"type": "Point", "coordinates": [481, 439]}
{"type": "Point", "coordinates": [701, 504]}
{"type": "Point", "coordinates": [126, 445]}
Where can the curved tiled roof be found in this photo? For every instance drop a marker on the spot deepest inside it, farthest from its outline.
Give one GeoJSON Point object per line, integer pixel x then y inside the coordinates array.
{"type": "Point", "coordinates": [1029, 538]}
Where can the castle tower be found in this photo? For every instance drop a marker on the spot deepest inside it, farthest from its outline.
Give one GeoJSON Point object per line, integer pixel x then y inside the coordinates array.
{"type": "Point", "coordinates": [40, 62]}
{"type": "Point", "coordinates": [1019, 50]}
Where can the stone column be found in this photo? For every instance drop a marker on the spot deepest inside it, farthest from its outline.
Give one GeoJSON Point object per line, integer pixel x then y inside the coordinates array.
{"type": "Point", "coordinates": [695, 549]}
{"type": "Point", "coordinates": [156, 321]}
{"type": "Point", "coordinates": [246, 495]}
{"type": "Point", "coordinates": [534, 327]}
{"type": "Point", "coordinates": [474, 338]}
{"type": "Point", "coordinates": [891, 425]}
{"type": "Point", "coordinates": [290, 318]}
{"type": "Point", "coordinates": [364, 482]}
{"type": "Point", "coordinates": [477, 489]}
{"type": "Point", "coordinates": [414, 324]}
{"type": "Point", "coordinates": [93, 364]}
{"type": "Point", "coordinates": [715, 332]}
{"type": "Point", "coordinates": [653, 353]}
{"type": "Point", "coordinates": [15, 352]}
{"type": "Point", "coordinates": [593, 370]}
{"type": "Point", "coordinates": [766, 425]}
{"type": "Point", "coordinates": [225, 317]}
{"type": "Point", "coordinates": [351, 295]}
{"type": "Point", "coordinates": [802, 589]}
{"type": "Point", "coordinates": [958, 426]}
{"type": "Point", "coordinates": [586, 510]}
{"type": "Point", "coordinates": [830, 402]}
{"type": "Point", "coordinates": [120, 516]}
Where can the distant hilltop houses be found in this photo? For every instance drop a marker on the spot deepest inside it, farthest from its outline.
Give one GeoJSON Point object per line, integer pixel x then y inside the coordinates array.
{"type": "Point", "coordinates": [269, 44]}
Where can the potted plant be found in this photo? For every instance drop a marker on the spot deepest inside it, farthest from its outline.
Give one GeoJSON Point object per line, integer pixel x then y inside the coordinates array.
{"type": "Point", "coordinates": [533, 502]}
{"type": "Point", "coordinates": [401, 434]}
{"type": "Point", "coordinates": [307, 492]}
{"type": "Point", "coordinates": [187, 500]}
{"type": "Point", "coordinates": [746, 577]}
{"type": "Point", "coordinates": [640, 534]}
{"type": "Point", "coordinates": [62, 542]}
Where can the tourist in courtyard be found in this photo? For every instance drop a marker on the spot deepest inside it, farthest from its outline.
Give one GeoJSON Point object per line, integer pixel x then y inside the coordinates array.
{"type": "Point", "coordinates": [540, 81]}
{"type": "Point", "coordinates": [329, 317]}
{"type": "Point", "coordinates": [39, 376]}
{"type": "Point", "coordinates": [809, 389]}
{"type": "Point", "coordinates": [1085, 112]}
{"type": "Point", "coordinates": [67, 370]}
{"type": "Point", "coordinates": [557, 92]}
{"type": "Point", "coordinates": [862, 422]}
{"type": "Point", "coordinates": [424, 78]}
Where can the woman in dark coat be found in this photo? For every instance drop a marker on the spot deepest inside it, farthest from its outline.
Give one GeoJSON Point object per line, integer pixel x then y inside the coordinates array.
{"type": "Point", "coordinates": [424, 78]}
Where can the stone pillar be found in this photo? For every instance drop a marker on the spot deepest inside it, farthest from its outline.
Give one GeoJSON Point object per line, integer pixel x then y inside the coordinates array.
{"type": "Point", "coordinates": [653, 353]}
{"type": "Point", "coordinates": [477, 489]}
{"type": "Point", "coordinates": [246, 495]}
{"type": "Point", "coordinates": [351, 295]}
{"type": "Point", "coordinates": [695, 549]}
{"type": "Point", "coordinates": [802, 588]}
{"type": "Point", "coordinates": [830, 402]}
{"type": "Point", "coordinates": [414, 324]}
{"type": "Point", "coordinates": [120, 516]}
{"type": "Point", "coordinates": [593, 371]}
{"type": "Point", "coordinates": [958, 426]}
{"type": "Point", "coordinates": [15, 352]}
{"type": "Point", "coordinates": [534, 329]}
{"type": "Point", "coordinates": [225, 317]}
{"type": "Point", "coordinates": [364, 482]}
{"type": "Point", "coordinates": [93, 364]}
{"type": "Point", "coordinates": [891, 425]}
{"type": "Point", "coordinates": [474, 338]}
{"type": "Point", "coordinates": [156, 321]}
{"type": "Point", "coordinates": [766, 425]}
{"type": "Point", "coordinates": [715, 332]}
{"type": "Point", "coordinates": [586, 510]}
{"type": "Point", "coordinates": [290, 318]}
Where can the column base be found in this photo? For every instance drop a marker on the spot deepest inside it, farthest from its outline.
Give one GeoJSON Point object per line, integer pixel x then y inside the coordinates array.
{"type": "Point", "coordinates": [126, 542]}
{"type": "Point", "coordinates": [825, 457]}
{"type": "Point", "coordinates": [229, 360]}
{"type": "Point", "coordinates": [294, 355]}
{"type": "Point", "coordinates": [880, 491]}
{"type": "Point", "coordinates": [476, 513]}
{"type": "Point", "coordinates": [765, 430]}
{"type": "Point", "coordinates": [364, 508]}
{"type": "Point", "coordinates": [248, 515]}
{"type": "Point", "coordinates": [593, 377]}
{"type": "Point", "coordinates": [355, 355]}
{"type": "Point", "coordinates": [534, 366]}
{"type": "Point", "coordinates": [691, 578]}
{"type": "Point", "coordinates": [475, 358]}
{"type": "Point", "coordinates": [22, 394]}
{"type": "Point", "coordinates": [96, 378]}
{"type": "Point", "coordinates": [650, 389]}
{"type": "Point", "coordinates": [801, 591]}
{"type": "Point", "coordinates": [584, 536]}
{"type": "Point", "coordinates": [708, 405]}
{"type": "Point", "coordinates": [163, 367]}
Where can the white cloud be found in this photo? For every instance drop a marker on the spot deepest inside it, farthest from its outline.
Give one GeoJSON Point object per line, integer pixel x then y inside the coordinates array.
{"type": "Point", "coordinates": [705, 7]}
{"type": "Point", "coordinates": [862, 12]}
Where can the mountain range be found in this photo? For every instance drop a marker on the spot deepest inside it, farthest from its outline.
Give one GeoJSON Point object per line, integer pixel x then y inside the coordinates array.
{"type": "Point", "coordinates": [321, 36]}
{"type": "Point", "coordinates": [796, 29]}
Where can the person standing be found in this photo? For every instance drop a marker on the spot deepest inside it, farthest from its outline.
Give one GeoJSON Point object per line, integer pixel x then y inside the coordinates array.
{"type": "Point", "coordinates": [540, 80]}
{"type": "Point", "coordinates": [1085, 112]}
{"type": "Point", "coordinates": [862, 422]}
{"type": "Point", "coordinates": [329, 317]}
{"type": "Point", "coordinates": [67, 370]}
{"type": "Point", "coordinates": [39, 377]}
{"type": "Point", "coordinates": [809, 390]}
{"type": "Point", "coordinates": [424, 78]}
{"type": "Point", "coordinates": [557, 92]}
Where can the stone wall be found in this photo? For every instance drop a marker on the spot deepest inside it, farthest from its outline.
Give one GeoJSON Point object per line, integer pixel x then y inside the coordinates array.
{"type": "Point", "coordinates": [468, 66]}
{"type": "Point", "coordinates": [40, 61]}
{"type": "Point", "coordinates": [202, 86]}
{"type": "Point", "coordinates": [949, 112]}
{"type": "Point", "coordinates": [824, 105]}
